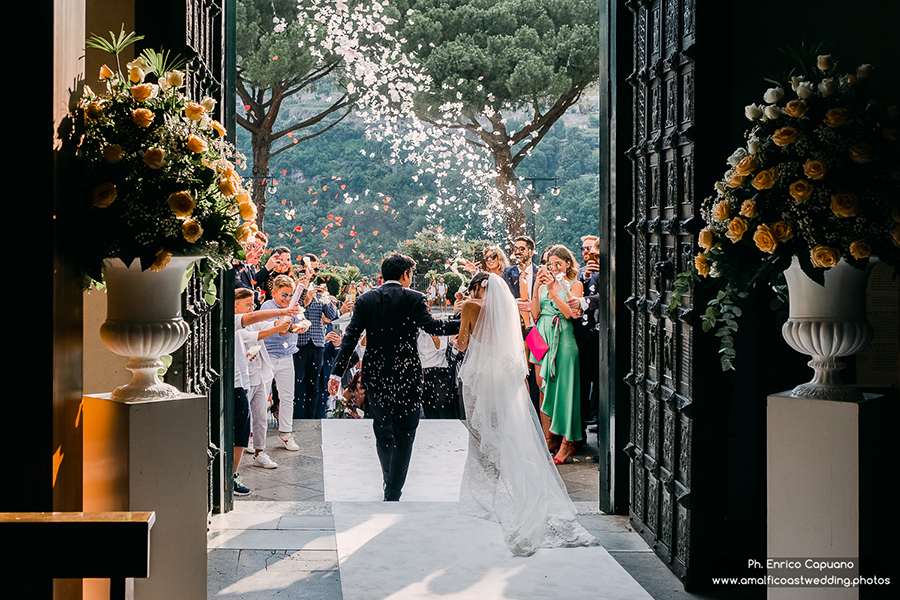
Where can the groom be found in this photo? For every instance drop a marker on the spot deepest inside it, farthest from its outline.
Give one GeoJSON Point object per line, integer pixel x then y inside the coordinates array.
{"type": "Point", "coordinates": [391, 316]}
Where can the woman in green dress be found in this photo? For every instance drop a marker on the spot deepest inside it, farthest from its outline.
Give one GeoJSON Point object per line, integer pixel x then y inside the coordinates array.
{"type": "Point", "coordinates": [558, 373]}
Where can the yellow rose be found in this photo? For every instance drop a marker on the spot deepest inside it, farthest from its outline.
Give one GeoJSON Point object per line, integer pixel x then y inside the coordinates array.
{"type": "Point", "coordinates": [862, 153]}
{"type": "Point", "coordinates": [844, 204]}
{"type": "Point", "coordinates": [94, 110]}
{"type": "Point", "coordinates": [242, 197]}
{"type": "Point", "coordinates": [230, 183]}
{"type": "Point", "coordinates": [702, 265]}
{"type": "Point", "coordinates": [706, 238]}
{"type": "Point", "coordinates": [113, 154]}
{"type": "Point", "coordinates": [135, 75]}
{"type": "Point", "coordinates": [218, 127]}
{"type": "Point", "coordinates": [795, 108]}
{"type": "Point", "coordinates": [785, 136]}
{"type": "Point", "coordinates": [895, 235]}
{"type": "Point", "coordinates": [814, 169]}
{"type": "Point", "coordinates": [737, 227]}
{"type": "Point", "coordinates": [104, 194]}
{"type": "Point", "coordinates": [747, 165]}
{"type": "Point", "coordinates": [191, 230]}
{"type": "Point", "coordinates": [143, 92]}
{"type": "Point", "coordinates": [196, 144]}
{"type": "Point", "coordinates": [244, 231]}
{"type": "Point", "coordinates": [194, 111]}
{"type": "Point", "coordinates": [824, 256]}
{"type": "Point", "coordinates": [181, 203]}
{"type": "Point", "coordinates": [722, 210]}
{"type": "Point", "coordinates": [891, 134]}
{"type": "Point", "coordinates": [735, 180]}
{"type": "Point", "coordinates": [155, 157]}
{"type": "Point", "coordinates": [162, 259]}
{"type": "Point", "coordinates": [835, 117]}
{"type": "Point", "coordinates": [781, 231]}
{"type": "Point", "coordinates": [860, 249]}
{"type": "Point", "coordinates": [765, 179]}
{"type": "Point", "coordinates": [142, 117]}
{"type": "Point", "coordinates": [748, 209]}
{"type": "Point", "coordinates": [801, 190]}
{"type": "Point", "coordinates": [248, 211]}
{"type": "Point", "coordinates": [895, 213]}
{"type": "Point", "coordinates": [106, 72]}
{"type": "Point", "coordinates": [765, 239]}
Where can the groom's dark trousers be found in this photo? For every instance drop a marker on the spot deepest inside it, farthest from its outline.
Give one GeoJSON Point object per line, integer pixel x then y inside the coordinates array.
{"type": "Point", "coordinates": [391, 317]}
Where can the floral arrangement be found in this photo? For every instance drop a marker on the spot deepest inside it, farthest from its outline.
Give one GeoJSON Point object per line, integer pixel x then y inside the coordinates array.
{"type": "Point", "coordinates": [157, 177]}
{"type": "Point", "coordinates": [818, 179]}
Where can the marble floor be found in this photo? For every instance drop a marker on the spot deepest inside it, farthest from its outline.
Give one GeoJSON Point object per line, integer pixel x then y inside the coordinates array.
{"type": "Point", "coordinates": [315, 527]}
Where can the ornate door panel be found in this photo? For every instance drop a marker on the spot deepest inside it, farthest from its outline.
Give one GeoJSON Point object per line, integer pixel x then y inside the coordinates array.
{"type": "Point", "coordinates": [661, 440]}
{"type": "Point", "coordinates": [197, 30]}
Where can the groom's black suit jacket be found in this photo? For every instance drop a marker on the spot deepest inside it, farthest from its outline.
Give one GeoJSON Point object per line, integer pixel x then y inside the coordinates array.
{"type": "Point", "coordinates": [391, 316]}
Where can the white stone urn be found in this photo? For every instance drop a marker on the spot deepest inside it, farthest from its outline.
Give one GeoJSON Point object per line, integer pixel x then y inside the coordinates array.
{"type": "Point", "coordinates": [828, 323]}
{"type": "Point", "coordinates": [143, 322]}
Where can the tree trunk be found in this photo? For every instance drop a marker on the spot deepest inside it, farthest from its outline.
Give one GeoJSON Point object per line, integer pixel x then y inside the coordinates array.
{"type": "Point", "coordinates": [513, 205]}
{"type": "Point", "coordinates": [260, 143]}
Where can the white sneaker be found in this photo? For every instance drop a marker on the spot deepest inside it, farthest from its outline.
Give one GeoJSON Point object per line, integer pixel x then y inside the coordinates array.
{"type": "Point", "coordinates": [263, 460]}
{"type": "Point", "coordinates": [288, 441]}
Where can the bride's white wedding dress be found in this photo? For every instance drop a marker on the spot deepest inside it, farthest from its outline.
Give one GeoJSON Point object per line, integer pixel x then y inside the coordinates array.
{"type": "Point", "coordinates": [509, 475]}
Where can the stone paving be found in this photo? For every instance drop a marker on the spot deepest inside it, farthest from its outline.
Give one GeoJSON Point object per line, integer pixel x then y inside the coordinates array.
{"type": "Point", "coordinates": [315, 528]}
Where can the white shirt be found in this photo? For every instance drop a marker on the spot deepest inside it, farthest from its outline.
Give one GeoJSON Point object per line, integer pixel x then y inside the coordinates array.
{"type": "Point", "coordinates": [429, 355]}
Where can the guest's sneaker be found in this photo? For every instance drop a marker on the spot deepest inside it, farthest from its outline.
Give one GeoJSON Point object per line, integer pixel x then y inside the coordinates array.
{"type": "Point", "coordinates": [288, 440]}
{"type": "Point", "coordinates": [262, 460]}
{"type": "Point", "coordinates": [239, 488]}
{"type": "Point", "coordinates": [250, 449]}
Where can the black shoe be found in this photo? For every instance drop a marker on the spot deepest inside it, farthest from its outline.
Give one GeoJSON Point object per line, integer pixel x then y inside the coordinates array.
{"type": "Point", "coordinates": [239, 488]}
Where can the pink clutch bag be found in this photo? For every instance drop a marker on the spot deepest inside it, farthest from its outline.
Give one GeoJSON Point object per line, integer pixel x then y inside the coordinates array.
{"type": "Point", "coordinates": [536, 343]}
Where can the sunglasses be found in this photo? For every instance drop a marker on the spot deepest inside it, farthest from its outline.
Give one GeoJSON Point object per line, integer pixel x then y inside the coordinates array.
{"type": "Point", "coordinates": [490, 257]}
{"type": "Point", "coordinates": [285, 295]}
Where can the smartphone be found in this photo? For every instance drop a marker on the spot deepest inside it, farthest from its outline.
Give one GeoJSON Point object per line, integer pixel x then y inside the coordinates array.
{"type": "Point", "coordinates": [479, 258]}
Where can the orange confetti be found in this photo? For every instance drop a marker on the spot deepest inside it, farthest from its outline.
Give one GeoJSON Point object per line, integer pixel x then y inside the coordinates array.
{"type": "Point", "coordinates": [324, 188]}
{"type": "Point", "coordinates": [367, 261]}
{"type": "Point", "coordinates": [316, 201]}
{"type": "Point", "coordinates": [284, 171]}
{"type": "Point", "coordinates": [352, 233]}
{"type": "Point", "coordinates": [409, 242]}
{"type": "Point", "coordinates": [362, 255]}
{"type": "Point", "coordinates": [385, 206]}
{"type": "Point", "coordinates": [275, 57]}
{"type": "Point", "coordinates": [340, 245]}
{"type": "Point", "coordinates": [284, 201]}
{"type": "Point", "coordinates": [375, 232]}
{"type": "Point", "coordinates": [330, 216]}
{"type": "Point", "coordinates": [343, 186]}
{"type": "Point", "coordinates": [298, 228]}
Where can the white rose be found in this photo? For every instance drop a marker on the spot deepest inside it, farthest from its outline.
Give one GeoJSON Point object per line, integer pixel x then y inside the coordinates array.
{"type": "Point", "coordinates": [825, 62]}
{"type": "Point", "coordinates": [828, 86]}
{"type": "Point", "coordinates": [735, 158]}
{"type": "Point", "coordinates": [773, 95]}
{"type": "Point", "coordinates": [208, 103]}
{"type": "Point", "coordinates": [805, 90]}
{"type": "Point", "coordinates": [720, 188]}
{"type": "Point", "coordinates": [863, 71]}
{"type": "Point", "coordinates": [772, 112]}
{"type": "Point", "coordinates": [754, 146]}
{"type": "Point", "coordinates": [753, 112]}
{"type": "Point", "coordinates": [796, 80]}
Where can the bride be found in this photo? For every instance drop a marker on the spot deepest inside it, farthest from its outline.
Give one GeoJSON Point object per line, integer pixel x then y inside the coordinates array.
{"type": "Point", "coordinates": [509, 476]}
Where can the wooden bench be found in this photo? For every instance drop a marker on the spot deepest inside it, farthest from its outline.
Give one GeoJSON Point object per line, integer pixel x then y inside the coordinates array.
{"type": "Point", "coordinates": [76, 545]}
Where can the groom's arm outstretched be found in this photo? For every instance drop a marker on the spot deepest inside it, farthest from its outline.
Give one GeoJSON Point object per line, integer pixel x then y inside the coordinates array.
{"type": "Point", "coordinates": [423, 320]}
{"type": "Point", "coordinates": [348, 346]}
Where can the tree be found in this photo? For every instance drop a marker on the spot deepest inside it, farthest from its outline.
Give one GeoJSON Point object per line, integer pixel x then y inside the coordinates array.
{"type": "Point", "coordinates": [486, 59]}
{"type": "Point", "coordinates": [274, 63]}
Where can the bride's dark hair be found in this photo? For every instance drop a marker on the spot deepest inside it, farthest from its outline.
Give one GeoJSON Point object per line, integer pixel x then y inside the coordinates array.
{"type": "Point", "coordinates": [482, 276]}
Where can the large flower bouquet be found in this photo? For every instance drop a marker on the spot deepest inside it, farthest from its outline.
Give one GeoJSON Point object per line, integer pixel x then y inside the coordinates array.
{"type": "Point", "coordinates": [818, 179]}
{"type": "Point", "coordinates": [157, 177]}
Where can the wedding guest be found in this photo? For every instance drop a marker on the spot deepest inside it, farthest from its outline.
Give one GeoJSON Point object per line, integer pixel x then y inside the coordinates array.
{"type": "Point", "coordinates": [281, 350]}
{"type": "Point", "coordinates": [279, 263]}
{"type": "Point", "coordinates": [520, 278]}
{"type": "Point", "coordinates": [311, 348]}
{"type": "Point", "coordinates": [587, 334]}
{"type": "Point", "coordinates": [559, 374]}
{"type": "Point", "coordinates": [441, 290]}
{"type": "Point", "coordinates": [260, 371]}
{"type": "Point", "coordinates": [437, 402]}
{"type": "Point", "coordinates": [244, 317]}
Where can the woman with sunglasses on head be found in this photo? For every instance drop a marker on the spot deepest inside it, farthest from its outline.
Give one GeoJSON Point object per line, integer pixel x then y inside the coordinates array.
{"type": "Point", "coordinates": [558, 370]}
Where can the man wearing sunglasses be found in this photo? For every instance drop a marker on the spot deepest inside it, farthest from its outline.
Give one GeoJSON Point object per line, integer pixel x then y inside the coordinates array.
{"type": "Point", "coordinates": [520, 277]}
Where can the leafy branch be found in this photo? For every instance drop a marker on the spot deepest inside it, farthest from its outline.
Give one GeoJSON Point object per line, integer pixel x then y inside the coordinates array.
{"type": "Point", "coordinates": [115, 45]}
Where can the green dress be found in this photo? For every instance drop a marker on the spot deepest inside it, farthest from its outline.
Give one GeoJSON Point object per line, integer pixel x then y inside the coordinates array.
{"type": "Point", "coordinates": [559, 371]}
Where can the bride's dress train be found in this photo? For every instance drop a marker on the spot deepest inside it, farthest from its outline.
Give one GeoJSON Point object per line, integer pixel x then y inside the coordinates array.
{"type": "Point", "coordinates": [509, 475]}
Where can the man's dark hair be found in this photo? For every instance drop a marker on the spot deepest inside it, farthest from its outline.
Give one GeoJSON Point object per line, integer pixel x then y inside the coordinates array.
{"type": "Point", "coordinates": [281, 250]}
{"type": "Point", "coordinates": [528, 241]}
{"type": "Point", "coordinates": [395, 265]}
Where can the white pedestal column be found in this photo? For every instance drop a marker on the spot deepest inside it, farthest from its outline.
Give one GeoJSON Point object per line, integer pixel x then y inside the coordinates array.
{"type": "Point", "coordinates": [814, 454]}
{"type": "Point", "coordinates": [151, 455]}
